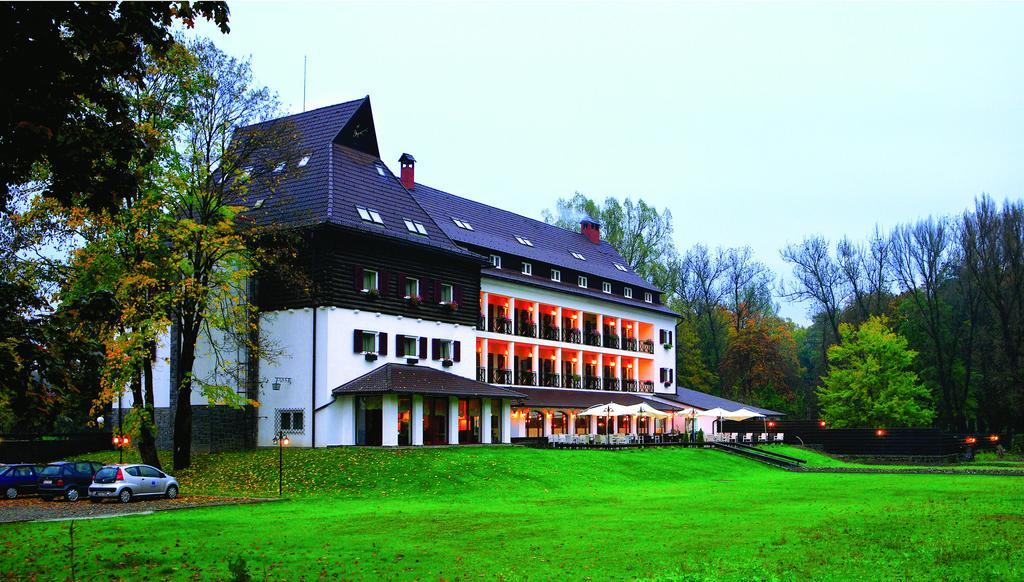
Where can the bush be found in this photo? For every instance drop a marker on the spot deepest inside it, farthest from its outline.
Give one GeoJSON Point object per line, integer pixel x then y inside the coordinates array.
{"type": "Point", "coordinates": [700, 436]}
{"type": "Point", "coordinates": [1017, 446]}
{"type": "Point", "coordinates": [238, 570]}
{"type": "Point", "coordinates": [686, 437]}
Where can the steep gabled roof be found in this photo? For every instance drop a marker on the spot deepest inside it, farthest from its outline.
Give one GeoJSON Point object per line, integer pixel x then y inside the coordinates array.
{"type": "Point", "coordinates": [337, 168]}
{"type": "Point", "coordinates": [495, 229]}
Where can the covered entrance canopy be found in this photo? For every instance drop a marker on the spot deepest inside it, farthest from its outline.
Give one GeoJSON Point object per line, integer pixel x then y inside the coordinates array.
{"type": "Point", "coordinates": [589, 412]}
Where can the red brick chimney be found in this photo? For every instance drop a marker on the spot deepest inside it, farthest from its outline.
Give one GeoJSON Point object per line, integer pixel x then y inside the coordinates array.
{"type": "Point", "coordinates": [591, 229]}
{"type": "Point", "coordinates": [408, 171]}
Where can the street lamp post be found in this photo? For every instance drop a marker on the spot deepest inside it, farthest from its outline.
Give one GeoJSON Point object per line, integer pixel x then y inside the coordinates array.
{"type": "Point", "coordinates": [121, 441]}
{"type": "Point", "coordinates": [282, 441]}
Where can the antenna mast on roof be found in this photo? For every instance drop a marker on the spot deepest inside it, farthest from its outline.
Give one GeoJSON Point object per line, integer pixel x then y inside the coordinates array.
{"type": "Point", "coordinates": [304, 57]}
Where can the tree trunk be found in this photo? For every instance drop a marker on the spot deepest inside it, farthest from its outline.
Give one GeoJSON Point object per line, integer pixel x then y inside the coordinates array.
{"type": "Point", "coordinates": [147, 426]}
{"type": "Point", "coordinates": [183, 404]}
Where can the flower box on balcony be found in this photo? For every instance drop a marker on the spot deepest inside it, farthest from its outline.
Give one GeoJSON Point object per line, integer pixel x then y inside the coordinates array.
{"type": "Point", "coordinates": [447, 363]}
{"type": "Point", "coordinates": [412, 361]}
{"type": "Point", "coordinates": [370, 356]}
{"type": "Point", "coordinates": [413, 300]}
{"type": "Point", "coordinates": [371, 293]}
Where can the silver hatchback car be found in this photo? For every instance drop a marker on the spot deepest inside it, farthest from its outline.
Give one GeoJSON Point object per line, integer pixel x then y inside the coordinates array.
{"type": "Point", "coordinates": [123, 482]}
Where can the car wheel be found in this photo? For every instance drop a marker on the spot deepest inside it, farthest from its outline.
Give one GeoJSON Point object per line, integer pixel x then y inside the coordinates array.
{"type": "Point", "coordinates": [172, 492]}
{"type": "Point", "coordinates": [125, 495]}
{"type": "Point", "coordinates": [72, 494]}
{"type": "Point", "coordinates": [11, 492]}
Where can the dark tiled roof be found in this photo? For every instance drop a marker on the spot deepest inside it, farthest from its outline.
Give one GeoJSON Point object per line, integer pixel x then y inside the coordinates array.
{"type": "Point", "coordinates": [338, 177]}
{"type": "Point", "coordinates": [512, 275]}
{"type": "Point", "coordinates": [557, 398]}
{"type": "Point", "coordinates": [705, 401]}
{"type": "Point", "coordinates": [496, 229]}
{"type": "Point", "coordinates": [406, 379]}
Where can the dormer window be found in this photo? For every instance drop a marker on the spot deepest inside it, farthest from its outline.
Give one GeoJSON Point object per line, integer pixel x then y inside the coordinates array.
{"type": "Point", "coordinates": [369, 215]}
{"type": "Point", "coordinates": [380, 170]}
{"type": "Point", "coordinates": [462, 223]}
{"type": "Point", "coordinates": [628, 292]}
{"type": "Point", "coordinates": [581, 281]}
{"type": "Point", "coordinates": [556, 275]}
{"type": "Point", "coordinates": [621, 267]}
{"type": "Point", "coordinates": [413, 226]}
{"type": "Point", "coordinates": [524, 241]}
{"type": "Point", "coordinates": [279, 168]}
{"type": "Point", "coordinates": [303, 161]}
{"type": "Point", "coordinates": [648, 297]}
{"type": "Point", "coordinates": [606, 287]}
{"type": "Point", "coordinates": [527, 269]}
{"type": "Point", "coordinates": [496, 261]}
{"type": "Point", "coordinates": [578, 255]}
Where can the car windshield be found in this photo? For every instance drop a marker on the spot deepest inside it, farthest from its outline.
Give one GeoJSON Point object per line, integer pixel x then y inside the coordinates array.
{"type": "Point", "coordinates": [51, 470]}
{"type": "Point", "coordinates": [106, 475]}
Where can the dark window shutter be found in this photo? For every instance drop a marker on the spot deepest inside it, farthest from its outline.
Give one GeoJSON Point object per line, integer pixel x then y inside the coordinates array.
{"type": "Point", "coordinates": [400, 346]}
{"type": "Point", "coordinates": [400, 285]}
{"type": "Point", "coordinates": [357, 278]}
{"type": "Point", "coordinates": [671, 375]}
{"type": "Point", "coordinates": [357, 341]}
{"type": "Point", "coordinates": [671, 337]}
{"type": "Point", "coordinates": [457, 351]}
{"type": "Point", "coordinates": [457, 294]}
{"type": "Point", "coordinates": [383, 283]}
{"type": "Point", "coordinates": [661, 336]}
{"type": "Point", "coordinates": [382, 343]}
{"type": "Point", "coordinates": [662, 374]}
{"type": "Point", "coordinates": [427, 290]}
{"type": "Point", "coordinates": [437, 291]}
{"type": "Point", "coordinates": [423, 348]}
{"type": "Point", "coordinates": [435, 348]}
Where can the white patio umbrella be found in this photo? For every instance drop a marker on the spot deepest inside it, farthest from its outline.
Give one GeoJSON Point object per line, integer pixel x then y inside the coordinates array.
{"type": "Point", "coordinates": [741, 414]}
{"type": "Point", "coordinates": [716, 412]}
{"type": "Point", "coordinates": [645, 409]}
{"type": "Point", "coordinates": [606, 410]}
{"type": "Point", "coordinates": [690, 413]}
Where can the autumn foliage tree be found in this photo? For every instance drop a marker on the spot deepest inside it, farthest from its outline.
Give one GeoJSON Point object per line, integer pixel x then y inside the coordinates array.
{"type": "Point", "coordinates": [760, 364]}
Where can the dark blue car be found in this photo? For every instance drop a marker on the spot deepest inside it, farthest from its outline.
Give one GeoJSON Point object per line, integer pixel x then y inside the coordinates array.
{"type": "Point", "coordinates": [18, 479]}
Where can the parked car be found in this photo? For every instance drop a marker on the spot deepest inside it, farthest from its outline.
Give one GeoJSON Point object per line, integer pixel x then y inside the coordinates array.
{"type": "Point", "coordinates": [18, 479]}
{"type": "Point", "coordinates": [123, 482]}
{"type": "Point", "coordinates": [68, 479]}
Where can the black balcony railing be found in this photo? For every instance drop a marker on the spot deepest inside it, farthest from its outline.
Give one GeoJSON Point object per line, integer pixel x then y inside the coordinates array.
{"type": "Point", "coordinates": [594, 339]}
{"type": "Point", "coordinates": [572, 336]}
{"type": "Point", "coordinates": [526, 378]}
{"type": "Point", "coordinates": [551, 380]}
{"type": "Point", "coordinates": [552, 333]}
{"type": "Point", "coordinates": [504, 325]}
{"type": "Point", "coordinates": [611, 384]}
{"type": "Point", "coordinates": [501, 376]}
{"type": "Point", "coordinates": [526, 329]}
{"type": "Point", "coordinates": [630, 344]}
{"type": "Point", "coordinates": [647, 386]}
{"type": "Point", "coordinates": [629, 385]}
{"type": "Point", "coordinates": [611, 341]}
{"type": "Point", "coordinates": [592, 383]}
{"type": "Point", "coordinates": [647, 346]}
{"type": "Point", "coordinates": [574, 381]}
{"type": "Point", "coordinates": [481, 374]}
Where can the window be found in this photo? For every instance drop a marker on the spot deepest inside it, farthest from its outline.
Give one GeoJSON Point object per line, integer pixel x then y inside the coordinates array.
{"type": "Point", "coordinates": [410, 345]}
{"type": "Point", "coordinates": [581, 281]}
{"type": "Point", "coordinates": [447, 293]}
{"type": "Point", "coordinates": [413, 226]}
{"type": "Point", "coordinates": [412, 287]}
{"type": "Point", "coordinates": [370, 280]}
{"type": "Point", "coordinates": [290, 421]}
{"type": "Point", "coordinates": [462, 224]}
{"type": "Point", "coordinates": [369, 342]}
{"type": "Point", "coordinates": [628, 292]}
{"type": "Point", "coordinates": [303, 161]}
{"type": "Point", "coordinates": [279, 168]}
{"type": "Point", "coordinates": [648, 297]}
{"type": "Point", "coordinates": [369, 215]}
{"type": "Point", "coordinates": [527, 269]}
{"type": "Point", "coordinates": [606, 287]}
{"type": "Point", "coordinates": [496, 261]}
{"type": "Point", "coordinates": [621, 267]}
{"type": "Point", "coordinates": [578, 256]}
{"type": "Point", "coordinates": [556, 275]}
{"type": "Point", "coordinates": [380, 170]}
{"type": "Point", "coordinates": [446, 349]}
{"type": "Point", "coordinates": [524, 241]}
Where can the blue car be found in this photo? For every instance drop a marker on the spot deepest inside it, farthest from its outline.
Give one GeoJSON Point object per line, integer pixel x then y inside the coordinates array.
{"type": "Point", "coordinates": [18, 479]}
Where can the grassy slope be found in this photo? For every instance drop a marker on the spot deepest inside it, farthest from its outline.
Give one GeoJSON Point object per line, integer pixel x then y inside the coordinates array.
{"type": "Point", "coordinates": [819, 460]}
{"type": "Point", "coordinates": [524, 513]}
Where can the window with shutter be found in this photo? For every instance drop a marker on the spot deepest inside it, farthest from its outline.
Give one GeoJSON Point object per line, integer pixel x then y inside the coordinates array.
{"type": "Point", "coordinates": [382, 343]}
{"type": "Point", "coordinates": [435, 348]}
{"type": "Point", "coordinates": [400, 345]}
{"type": "Point", "coordinates": [423, 348]}
{"type": "Point", "coordinates": [410, 345]}
{"type": "Point", "coordinates": [457, 354]}
{"type": "Point", "coordinates": [357, 341]}
{"type": "Point", "coordinates": [357, 278]}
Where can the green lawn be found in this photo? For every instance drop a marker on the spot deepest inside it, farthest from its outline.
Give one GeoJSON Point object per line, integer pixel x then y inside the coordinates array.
{"type": "Point", "coordinates": [515, 513]}
{"type": "Point", "coordinates": [983, 461]}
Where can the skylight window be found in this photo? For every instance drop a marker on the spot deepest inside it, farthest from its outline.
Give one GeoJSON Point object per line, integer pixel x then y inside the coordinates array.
{"type": "Point", "coordinates": [413, 226]}
{"type": "Point", "coordinates": [303, 161]}
{"type": "Point", "coordinates": [380, 170]}
{"type": "Point", "coordinates": [524, 241]}
{"type": "Point", "coordinates": [369, 215]}
{"type": "Point", "coordinates": [621, 267]}
{"type": "Point", "coordinates": [578, 255]}
{"type": "Point", "coordinates": [462, 224]}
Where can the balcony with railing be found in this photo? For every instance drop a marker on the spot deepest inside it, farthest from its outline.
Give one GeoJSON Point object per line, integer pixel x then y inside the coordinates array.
{"type": "Point", "coordinates": [551, 380]}
{"type": "Point", "coordinates": [551, 333]}
{"type": "Point", "coordinates": [500, 376]}
{"type": "Point", "coordinates": [629, 385]}
{"type": "Point", "coordinates": [612, 384]}
{"type": "Point", "coordinates": [526, 329]}
{"type": "Point", "coordinates": [630, 344]}
{"type": "Point", "coordinates": [591, 382]}
{"type": "Point", "coordinates": [647, 346]}
{"type": "Point", "coordinates": [573, 381]}
{"type": "Point", "coordinates": [647, 386]}
{"type": "Point", "coordinates": [481, 374]}
{"type": "Point", "coordinates": [526, 378]}
{"type": "Point", "coordinates": [592, 338]}
{"type": "Point", "coordinates": [611, 341]}
{"type": "Point", "coordinates": [572, 336]}
{"type": "Point", "coordinates": [503, 325]}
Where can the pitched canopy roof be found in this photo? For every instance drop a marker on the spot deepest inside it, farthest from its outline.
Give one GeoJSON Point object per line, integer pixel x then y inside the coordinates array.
{"type": "Point", "coordinates": [705, 401]}
{"type": "Point", "coordinates": [407, 379]}
{"type": "Point", "coordinates": [496, 230]}
{"type": "Point", "coordinates": [557, 398]}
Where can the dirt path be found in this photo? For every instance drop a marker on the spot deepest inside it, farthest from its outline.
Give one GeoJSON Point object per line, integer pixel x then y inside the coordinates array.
{"type": "Point", "coordinates": [35, 509]}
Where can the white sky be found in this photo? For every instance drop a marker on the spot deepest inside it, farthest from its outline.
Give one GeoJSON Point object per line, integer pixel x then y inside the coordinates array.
{"type": "Point", "coordinates": [755, 124]}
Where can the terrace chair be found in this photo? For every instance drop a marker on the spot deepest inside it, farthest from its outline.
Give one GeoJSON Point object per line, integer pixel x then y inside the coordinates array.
{"type": "Point", "coordinates": [764, 438]}
{"type": "Point", "coordinates": [779, 437]}
{"type": "Point", "coordinates": [747, 438]}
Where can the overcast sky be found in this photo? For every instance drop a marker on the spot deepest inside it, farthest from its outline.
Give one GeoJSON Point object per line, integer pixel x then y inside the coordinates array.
{"type": "Point", "coordinates": [755, 124]}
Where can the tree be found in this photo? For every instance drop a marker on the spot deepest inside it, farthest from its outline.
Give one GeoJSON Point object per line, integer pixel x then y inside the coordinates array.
{"type": "Point", "coordinates": [870, 382]}
{"type": "Point", "coordinates": [66, 110]}
{"type": "Point", "coordinates": [819, 280]}
{"type": "Point", "coordinates": [748, 286]}
{"type": "Point", "coordinates": [701, 293]}
{"type": "Point", "coordinates": [760, 364]}
{"type": "Point", "coordinates": [691, 370]}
